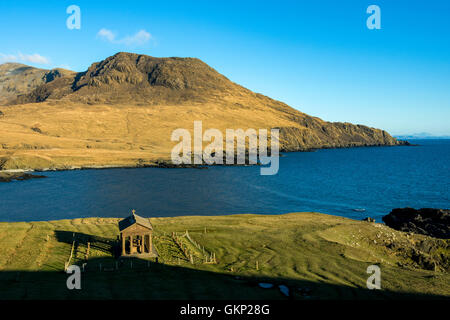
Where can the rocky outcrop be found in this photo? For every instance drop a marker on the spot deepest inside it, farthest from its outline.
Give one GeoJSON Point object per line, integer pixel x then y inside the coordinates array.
{"type": "Point", "coordinates": [318, 134]}
{"type": "Point", "coordinates": [421, 252]}
{"type": "Point", "coordinates": [427, 221]}
{"type": "Point", "coordinates": [19, 176]}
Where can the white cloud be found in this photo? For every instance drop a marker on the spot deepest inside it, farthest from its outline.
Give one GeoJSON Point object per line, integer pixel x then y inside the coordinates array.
{"type": "Point", "coordinates": [27, 58]}
{"type": "Point", "coordinates": [33, 58]}
{"type": "Point", "coordinates": [106, 35]}
{"type": "Point", "coordinates": [7, 58]}
{"type": "Point", "coordinates": [139, 38]}
{"type": "Point", "coordinates": [63, 66]}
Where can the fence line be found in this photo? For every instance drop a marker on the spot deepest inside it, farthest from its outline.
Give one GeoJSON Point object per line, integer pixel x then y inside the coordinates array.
{"type": "Point", "coordinates": [86, 256]}
{"type": "Point", "coordinates": [67, 264]}
{"type": "Point", "coordinates": [207, 257]}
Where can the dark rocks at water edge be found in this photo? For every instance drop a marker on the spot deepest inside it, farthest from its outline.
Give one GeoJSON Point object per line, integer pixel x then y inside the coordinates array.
{"type": "Point", "coordinates": [427, 221]}
{"type": "Point", "coordinates": [168, 165]}
{"type": "Point", "coordinates": [19, 176]}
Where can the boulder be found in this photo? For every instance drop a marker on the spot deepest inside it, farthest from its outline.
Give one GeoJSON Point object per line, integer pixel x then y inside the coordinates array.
{"type": "Point", "coordinates": [427, 221]}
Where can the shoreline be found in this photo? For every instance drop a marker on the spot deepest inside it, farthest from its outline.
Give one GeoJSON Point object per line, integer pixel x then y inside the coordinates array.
{"type": "Point", "coordinates": [167, 164]}
{"type": "Point", "coordinates": [231, 215]}
{"type": "Point", "coordinates": [18, 176]}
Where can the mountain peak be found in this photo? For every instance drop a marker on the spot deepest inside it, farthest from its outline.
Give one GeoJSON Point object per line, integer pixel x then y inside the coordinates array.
{"type": "Point", "coordinates": [136, 79]}
{"type": "Point", "coordinates": [17, 79]}
{"type": "Point", "coordinates": [136, 69]}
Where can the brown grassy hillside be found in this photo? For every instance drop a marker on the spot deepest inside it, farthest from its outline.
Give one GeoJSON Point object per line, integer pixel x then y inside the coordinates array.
{"type": "Point", "coordinates": [122, 111]}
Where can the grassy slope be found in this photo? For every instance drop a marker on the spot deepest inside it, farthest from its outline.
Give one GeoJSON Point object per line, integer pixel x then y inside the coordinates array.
{"type": "Point", "coordinates": [45, 136]}
{"type": "Point", "coordinates": [326, 254]}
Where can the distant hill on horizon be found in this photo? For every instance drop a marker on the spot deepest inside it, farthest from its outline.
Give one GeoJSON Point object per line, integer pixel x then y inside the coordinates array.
{"type": "Point", "coordinates": [122, 110]}
{"type": "Point", "coordinates": [17, 79]}
{"type": "Point", "coordinates": [422, 135]}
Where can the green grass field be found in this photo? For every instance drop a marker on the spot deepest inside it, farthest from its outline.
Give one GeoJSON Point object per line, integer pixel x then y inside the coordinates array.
{"type": "Point", "coordinates": [317, 256]}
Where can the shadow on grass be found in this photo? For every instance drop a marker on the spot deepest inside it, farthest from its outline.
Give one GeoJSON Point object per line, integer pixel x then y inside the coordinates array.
{"type": "Point", "coordinates": [133, 278]}
{"type": "Point", "coordinates": [106, 245]}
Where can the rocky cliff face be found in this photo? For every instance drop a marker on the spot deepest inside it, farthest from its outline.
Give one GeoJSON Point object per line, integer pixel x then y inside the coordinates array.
{"type": "Point", "coordinates": [321, 134]}
{"type": "Point", "coordinates": [427, 221]}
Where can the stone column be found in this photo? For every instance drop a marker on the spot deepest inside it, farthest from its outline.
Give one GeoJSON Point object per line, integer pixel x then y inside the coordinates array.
{"type": "Point", "coordinates": [131, 244]}
{"type": "Point", "coordinates": [123, 244]}
{"type": "Point", "coordinates": [150, 247]}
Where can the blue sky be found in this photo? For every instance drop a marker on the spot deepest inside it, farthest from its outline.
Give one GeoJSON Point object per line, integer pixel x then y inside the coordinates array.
{"type": "Point", "coordinates": [317, 56]}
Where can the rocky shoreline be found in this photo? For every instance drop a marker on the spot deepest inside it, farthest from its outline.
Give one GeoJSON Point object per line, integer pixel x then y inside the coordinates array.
{"type": "Point", "coordinates": [427, 221]}
{"type": "Point", "coordinates": [18, 176]}
{"type": "Point", "coordinates": [428, 237]}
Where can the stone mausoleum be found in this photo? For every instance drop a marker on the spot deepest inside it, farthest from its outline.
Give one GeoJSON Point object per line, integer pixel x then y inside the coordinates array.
{"type": "Point", "coordinates": [136, 237]}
